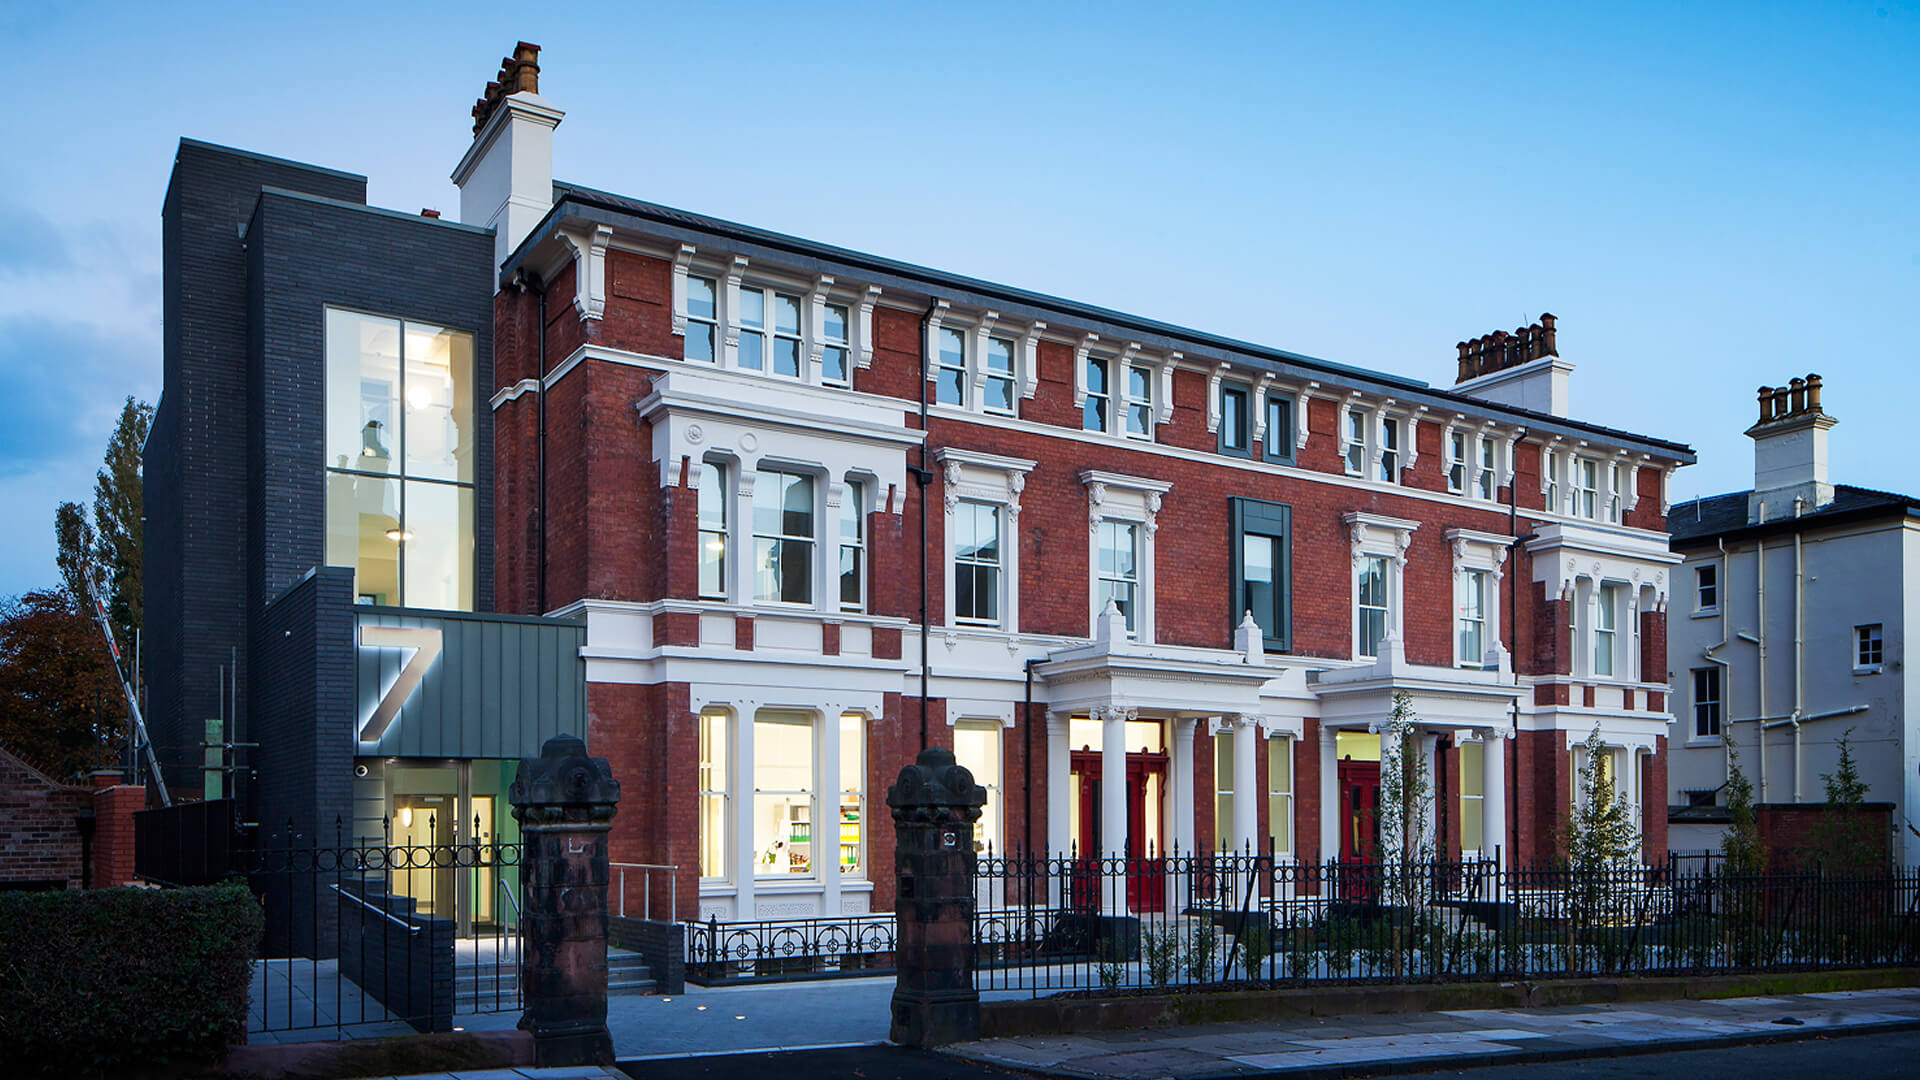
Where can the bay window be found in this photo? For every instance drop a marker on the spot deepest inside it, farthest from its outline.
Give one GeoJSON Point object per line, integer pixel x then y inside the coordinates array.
{"type": "Point", "coordinates": [976, 746]}
{"type": "Point", "coordinates": [853, 547]}
{"type": "Point", "coordinates": [1280, 794]}
{"type": "Point", "coordinates": [783, 537]}
{"type": "Point", "coordinates": [713, 531]}
{"type": "Point", "coordinates": [783, 803]}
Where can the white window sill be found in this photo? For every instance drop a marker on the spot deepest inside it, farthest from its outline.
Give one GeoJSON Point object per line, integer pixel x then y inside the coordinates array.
{"type": "Point", "coordinates": [1868, 669]}
{"type": "Point", "coordinates": [1705, 613]}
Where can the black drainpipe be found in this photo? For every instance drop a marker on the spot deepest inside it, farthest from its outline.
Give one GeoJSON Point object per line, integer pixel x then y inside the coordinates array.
{"type": "Point", "coordinates": [1512, 765]}
{"type": "Point", "coordinates": [924, 476]}
{"type": "Point", "coordinates": [531, 280]}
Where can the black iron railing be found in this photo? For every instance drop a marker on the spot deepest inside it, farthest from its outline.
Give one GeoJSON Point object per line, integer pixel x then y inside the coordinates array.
{"type": "Point", "coordinates": [1050, 924]}
{"type": "Point", "coordinates": [766, 950]}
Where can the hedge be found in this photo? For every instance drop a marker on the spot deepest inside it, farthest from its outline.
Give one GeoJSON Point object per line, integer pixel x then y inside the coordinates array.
{"type": "Point", "coordinates": [123, 980]}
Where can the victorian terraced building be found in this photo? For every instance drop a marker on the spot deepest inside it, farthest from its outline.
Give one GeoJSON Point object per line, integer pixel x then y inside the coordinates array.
{"type": "Point", "coordinates": [816, 509]}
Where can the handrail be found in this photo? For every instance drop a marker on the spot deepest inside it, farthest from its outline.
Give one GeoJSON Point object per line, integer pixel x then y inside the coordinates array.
{"type": "Point", "coordinates": [410, 928]}
{"type": "Point", "coordinates": [646, 888]}
{"type": "Point", "coordinates": [511, 898]}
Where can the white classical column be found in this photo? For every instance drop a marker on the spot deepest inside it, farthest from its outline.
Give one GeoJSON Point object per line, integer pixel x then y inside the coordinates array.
{"type": "Point", "coordinates": [1246, 797]}
{"type": "Point", "coordinates": [826, 811]}
{"type": "Point", "coordinates": [1181, 783]}
{"type": "Point", "coordinates": [1059, 796]}
{"type": "Point", "coordinates": [1430, 768]}
{"type": "Point", "coordinates": [743, 811]}
{"type": "Point", "coordinates": [1329, 795]}
{"type": "Point", "coordinates": [1493, 808]}
{"type": "Point", "coordinates": [1113, 805]}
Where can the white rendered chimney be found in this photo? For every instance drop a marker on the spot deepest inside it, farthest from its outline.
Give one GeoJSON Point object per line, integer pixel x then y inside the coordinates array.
{"type": "Point", "coordinates": [1790, 451]}
{"type": "Point", "coordinates": [1522, 369]}
{"type": "Point", "coordinates": [506, 177]}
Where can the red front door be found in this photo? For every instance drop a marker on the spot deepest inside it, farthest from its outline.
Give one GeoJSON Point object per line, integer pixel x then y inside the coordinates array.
{"type": "Point", "coordinates": [1146, 885]}
{"type": "Point", "coordinates": [1359, 783]}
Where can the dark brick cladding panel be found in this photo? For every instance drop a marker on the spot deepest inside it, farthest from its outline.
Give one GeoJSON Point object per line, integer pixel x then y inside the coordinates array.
{"type": "Point", "coordinates": [195, 477]}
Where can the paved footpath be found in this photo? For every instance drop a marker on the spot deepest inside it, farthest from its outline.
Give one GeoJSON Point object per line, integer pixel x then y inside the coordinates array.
{"type": "Point", "coordinates": [1406, 1042]}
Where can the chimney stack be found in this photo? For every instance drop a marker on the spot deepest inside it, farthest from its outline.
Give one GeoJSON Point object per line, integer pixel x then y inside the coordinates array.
{"type": "Point", "coordinates": [1522, 368]}
{"type": "Point", "coordinates": [506, 176]}
{"type": "Point", "coordinates": [1789, 452]}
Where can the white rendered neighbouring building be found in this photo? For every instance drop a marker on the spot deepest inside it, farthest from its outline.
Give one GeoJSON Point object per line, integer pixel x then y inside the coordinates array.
{"type": "Point", "coordinates": [1788, 631]}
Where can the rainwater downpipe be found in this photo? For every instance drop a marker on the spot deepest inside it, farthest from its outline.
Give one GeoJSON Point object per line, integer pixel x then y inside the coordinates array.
{"type": "Point", "coordinates": [1723, 595]}
{"type": "Point", "coordinates": [1799, 651]}
{"type": "Point", "coordinates": [1760, 595]}
{"type": "Point", "coordinates": [924, 476]}
{"type": "Point", "coordinates": [1510, 767]}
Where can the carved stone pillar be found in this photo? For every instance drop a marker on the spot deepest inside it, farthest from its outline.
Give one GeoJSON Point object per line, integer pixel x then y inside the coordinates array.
{"type": "Point", "coordinates": [565, 802]}
{"type": "Point", "coordinates": [935, 804]}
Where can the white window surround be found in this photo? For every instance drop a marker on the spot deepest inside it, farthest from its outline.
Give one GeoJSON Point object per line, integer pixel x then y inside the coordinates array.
{"type": "Point", "coordinates": [977, 328]}
{"type": "Point", "coordinates": [1119, 356]}
{"type": "Point", "coordinates": [1474, 550]}
{"type": "Point", "coordinates": [1373, 437]}
{"type": "Point", "coordinates": [815, 294]}
{"type": "Point", "coordinates": [1377, 535]}
{"type": "Point", "coordinates": [1136, 499]}
{"type": "Point", "coordinates": [987, 478]}
{"type": "Point", "coordinates": [1701, 587]}
{"type": "Point", "coordinates": [1585, 592]}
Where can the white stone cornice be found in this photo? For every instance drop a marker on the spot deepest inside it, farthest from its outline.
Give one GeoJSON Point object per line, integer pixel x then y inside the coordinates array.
{"type": "Point", "coordinates": [682, 260]}
{"type": "Point", "coordinates": [863, 346]}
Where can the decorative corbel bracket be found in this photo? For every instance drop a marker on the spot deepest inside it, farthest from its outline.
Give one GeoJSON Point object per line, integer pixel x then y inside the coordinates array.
{"type": "Point", "coordinates": [590, 270]}
{"type": "Point", "coordinates": [682, 260]}
{"type": "Point", "coordinates": [1029, 376]}
{"type": "Point", "coordinates": [1213, 395]}
{"type": "Point", "coordinates": [863, 347]}
{"type": "Point", "coordinates": [1080, 351]}
{"type": "Point", "coordinates": [940, 311]}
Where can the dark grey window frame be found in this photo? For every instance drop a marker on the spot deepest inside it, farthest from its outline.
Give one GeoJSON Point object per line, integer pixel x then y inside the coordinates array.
{"type": "Point", "coordinates": [1245, 390]}
{"type": "Point", "coordinates": [1708, 712]}
{"type": "Point", "coordinates": [1283, 440]}
{"type": "Point", "coordinates": [1253, 517]}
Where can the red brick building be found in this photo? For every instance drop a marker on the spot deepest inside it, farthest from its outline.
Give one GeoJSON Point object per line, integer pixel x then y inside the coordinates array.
{"type": "Point", "coordinates": [819, 509]}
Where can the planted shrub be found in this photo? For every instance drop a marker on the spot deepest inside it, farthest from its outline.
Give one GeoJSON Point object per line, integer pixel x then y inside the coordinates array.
{"type": "Point", "coordinates": [106, 981]}
{"type": "Point", "coordinates": [1161, 950]}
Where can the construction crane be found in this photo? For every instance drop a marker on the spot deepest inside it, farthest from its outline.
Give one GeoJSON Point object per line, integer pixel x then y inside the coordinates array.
{"type": "Point", "coordinates": [94, 593]}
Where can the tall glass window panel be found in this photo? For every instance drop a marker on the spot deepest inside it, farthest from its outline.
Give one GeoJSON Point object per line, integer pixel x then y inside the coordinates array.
{"type": "Point", "coordinates": [437, 390]}
{"type": "Point", "coordinates": [851, 829]}
{"type": "Point", "coordinates": [1260, 581]}
{"type": "Point", "coordinates": [786, 335]}
{"type": "Point", "coordinates": [1606, 623]}
{"type": "Point", "coordinates": [363, 393]}
{"type": "Point", "coordinates": [1371, 613]}
{"type": "Point", "coordinates": [1223, 751]}
{"type": "Point", "coordinates": [1553, 484]}
{"type": "Point", "coordinates": [1119, 569]}
{"type": "Point", "coordinates": [950, 374]}
{"type": "Point", "coordinates": [1589, 493]}
{"type": "Point", "coordinates": [713, 531]}
{"type": "Point", "coordinates": [1139, 402]}
{"type": "Point", "coordinates": [853, 547]}
{"type": "Point", "coordinates": [713, 794]}
{"type": "Point", "coordinates": [783, 538]}
{"type": "Point", "coordinates": [1356, 443]}
{"type": "Point", "coordinates": [702, 315]}
{"type": "Point", "coordinates": [976, 563]}
{"type": "Point", "coordinates": [1094, 413]}
{"type": "Point", "coordinates": [1279, 429]}
{"type": "Point", "coordinates": [753, 329]}
{"type": "Point", "coordinates": [436, 546]}
{"type": "Point", "coordinates": [1280, 793]}
{"type": "Point", "coordinates": [976, 746]}
{"type": "Point", "coordinates": [1472, 608]}
{"type": "Point", "coordinates": [1000, 382]}
{"type": "Point", "coordinates": [1234, 423]}
{"type": "Point", "coordinates": [833, 350]}
{"type": "Point", "coordinates": [1484, 478]}
{"type": "Point", "coordinates": [363, 531]}
{"type": "Point", "coordinates": [1390, 450]}
{"type": "Point", "coordinates": [783, 794]}
{"type": "Point", "coordinates": [1457, 462]}
{"type": "Point", "coordinates": [1473, 795]}
{"type": "Point", "coordinates": [1706, 702]}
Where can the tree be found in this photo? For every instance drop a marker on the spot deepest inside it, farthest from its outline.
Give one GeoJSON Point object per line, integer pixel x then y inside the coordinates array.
{"type": "Point", "coordinates": [1600, 833]}
{"type": "Point", "coordinates": [1406, 803]}
{"type": "Point", "coordinates": [117, 516]}
{"type": "Point", "coordinates": [60, 703]}
{"type": "Point", "coordinates": [1844, 839]}
{"type": "Point", "coordinates": [1741, 846]}
{"type": "Point", "coordinates": [74, 552]}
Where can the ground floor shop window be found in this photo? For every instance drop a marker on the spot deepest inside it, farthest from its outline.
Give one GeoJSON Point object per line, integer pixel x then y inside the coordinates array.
{"type": "Point", "coordinates": [713, 794]}
{"type": "Point", "coordinates": [853, 794]}
{"type": "Point", "coordinates": [976, 745]}
{"type": "Point", "coordinates": [783, 787]}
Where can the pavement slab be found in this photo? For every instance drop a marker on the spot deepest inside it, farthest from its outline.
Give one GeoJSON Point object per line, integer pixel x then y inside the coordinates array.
{"type": "Point", "coordinates": [1356, 1044]}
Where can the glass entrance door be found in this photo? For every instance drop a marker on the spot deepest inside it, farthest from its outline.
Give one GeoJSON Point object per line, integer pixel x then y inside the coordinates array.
{"type": "Point", "coordinates": [421, 858]}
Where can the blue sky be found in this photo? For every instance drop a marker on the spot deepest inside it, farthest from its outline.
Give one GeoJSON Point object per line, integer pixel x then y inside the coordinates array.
{"type": "Point", "coordinates": [1710, 196]}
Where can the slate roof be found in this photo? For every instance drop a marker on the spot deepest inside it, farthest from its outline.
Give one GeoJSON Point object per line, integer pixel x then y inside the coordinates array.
{"type": "Point", "coordinates": [1725, 516]}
